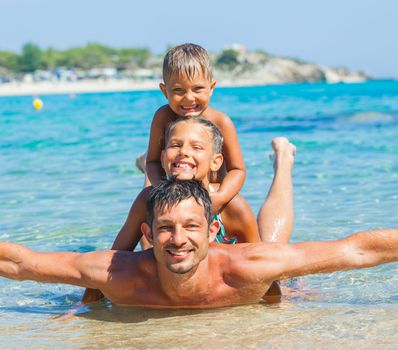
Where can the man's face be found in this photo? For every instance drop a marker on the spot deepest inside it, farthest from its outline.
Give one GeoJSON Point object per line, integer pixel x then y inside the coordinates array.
{"type": "Point", "coordinates": [180, 236]}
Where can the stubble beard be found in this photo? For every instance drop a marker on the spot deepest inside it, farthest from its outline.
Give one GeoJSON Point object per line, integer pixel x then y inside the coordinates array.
{"type": "Point", "coordinates": [180, 270]}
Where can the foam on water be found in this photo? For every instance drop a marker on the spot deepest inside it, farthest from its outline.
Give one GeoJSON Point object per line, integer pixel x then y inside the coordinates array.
{"type": "Point", "coordinates": [67, 180]}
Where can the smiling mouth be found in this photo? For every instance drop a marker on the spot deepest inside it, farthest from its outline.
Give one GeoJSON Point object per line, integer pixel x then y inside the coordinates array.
{"type": "Point", "coordinates": [183, 168]}
{"type": "Point", "coordinates": [179, 253]}
{"type": "Point", "coordinates": [183, 165]}
{"type": "Point", "coordinates": [189, 108]}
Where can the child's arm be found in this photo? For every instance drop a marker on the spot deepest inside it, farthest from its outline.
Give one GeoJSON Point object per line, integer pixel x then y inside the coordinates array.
{"type": "Point", "coordinates": [236, 171]}
{"type": "Point", "coordinates": [127, 239]}
{"type": "Point", "coordinates": [130, 233]}
{"type": "Point", "coordinates": [154, 170]}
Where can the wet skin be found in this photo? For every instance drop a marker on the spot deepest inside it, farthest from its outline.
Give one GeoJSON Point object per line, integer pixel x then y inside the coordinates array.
{"type": "Point", "coordinates": [188, 97]}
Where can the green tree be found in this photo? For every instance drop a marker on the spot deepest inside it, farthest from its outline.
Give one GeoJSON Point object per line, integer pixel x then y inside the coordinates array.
{"type": "Point", "coordinates": [31, 58]}
{"type": "Point", "coordinates": [51, 58]}
{"type": "Point", "coordinates": [9, 61]}
{"type": "Point", "coordinates": [228, 57]}
{"type": "Point", "coordinates": [134, 55]}
{"type": "Point", "coordinates": [92, 55]}
{"type": "Point", "coordinates": [97, 55]}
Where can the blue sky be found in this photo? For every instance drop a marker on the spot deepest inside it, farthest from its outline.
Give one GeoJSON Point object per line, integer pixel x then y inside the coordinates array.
{"type": "Point", "coordinates": [361, 35]}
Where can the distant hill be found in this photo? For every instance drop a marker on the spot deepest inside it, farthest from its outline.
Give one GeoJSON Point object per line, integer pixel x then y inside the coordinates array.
{"type": "Point", "coordinates": [236, 66]}
{"type": "Point", "coordinates": [98, 68]}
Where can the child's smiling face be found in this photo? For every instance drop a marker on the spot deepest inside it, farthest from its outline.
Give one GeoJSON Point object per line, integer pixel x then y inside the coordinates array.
{"type": "Point", "coordinates": [188, 97]}
{"type": "Point", "coordinates": [189, 153]}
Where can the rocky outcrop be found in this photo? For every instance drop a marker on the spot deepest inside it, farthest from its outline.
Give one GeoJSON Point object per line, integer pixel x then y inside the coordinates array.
{"type": "Point", "coordinates": [261, 69]}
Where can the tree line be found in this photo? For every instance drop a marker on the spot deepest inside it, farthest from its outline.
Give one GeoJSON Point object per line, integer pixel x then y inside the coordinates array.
{"type": "Point", "coordinates": [33, 58]}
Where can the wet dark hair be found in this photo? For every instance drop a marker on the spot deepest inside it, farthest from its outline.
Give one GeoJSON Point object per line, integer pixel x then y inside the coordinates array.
{"type": "Point", "coordinates": [215, 133]}
{"type": "Point", "coordinates": [170, 192]}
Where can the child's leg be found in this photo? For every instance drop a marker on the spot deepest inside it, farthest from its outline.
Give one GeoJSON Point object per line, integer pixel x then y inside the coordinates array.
{"type": "Point", "coordinates": [276, 216]}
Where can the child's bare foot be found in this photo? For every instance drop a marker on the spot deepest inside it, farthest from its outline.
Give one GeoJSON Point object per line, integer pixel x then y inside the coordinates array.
{"type": "Point", "coordinates": [283, 152]}
{"type": "Point", "coordinates": [140, 162]}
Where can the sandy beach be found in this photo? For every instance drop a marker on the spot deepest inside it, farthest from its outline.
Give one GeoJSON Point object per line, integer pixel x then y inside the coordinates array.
{"type": "Point", "coordinates": [83, 86]}
{"type": "Point", "coordinates": [277, 71]}
{"type": "Point", "coordinates": [99, 85]}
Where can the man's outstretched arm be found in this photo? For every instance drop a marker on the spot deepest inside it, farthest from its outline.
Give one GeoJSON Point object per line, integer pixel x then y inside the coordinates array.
{"type": "Point", "coordinates": [275, 261]}
{"type": "Point", "coordinates": [85, 270]}
{"type": "Point", "coordinates": [360, 250]}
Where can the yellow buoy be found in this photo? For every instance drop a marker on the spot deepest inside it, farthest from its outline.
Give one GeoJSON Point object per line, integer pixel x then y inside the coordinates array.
{"type": "Point", "coordinates": [37, 104]}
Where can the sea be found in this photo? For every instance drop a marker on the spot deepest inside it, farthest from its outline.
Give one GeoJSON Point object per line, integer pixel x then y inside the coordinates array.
{"type": "Point", "coordinates": [68, 178]}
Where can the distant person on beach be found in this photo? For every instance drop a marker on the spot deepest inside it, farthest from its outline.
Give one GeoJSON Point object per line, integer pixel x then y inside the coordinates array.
{"type": "Point", "coordinates": [185, 268]}
{"type": "Point", "coordinates": [188, 85]}
{"type": "Point", "coordinates": [193, 150]}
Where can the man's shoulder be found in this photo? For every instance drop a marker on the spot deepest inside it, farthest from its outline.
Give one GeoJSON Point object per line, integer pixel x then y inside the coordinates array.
{"type": "Point", "coordinates": [130, 273]}
{"type": "Point", "coordinates": [240, 258]}
{"type": "Point", "coordinates": [138, 265]}
{"type": "Point", "coordinates": [226, 256]}
{"type": "Point", "coordinates": [234, 262]}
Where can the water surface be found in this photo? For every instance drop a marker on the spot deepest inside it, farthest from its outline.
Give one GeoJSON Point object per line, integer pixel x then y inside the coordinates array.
{"type": "Point", "coordinates": [67, 180]}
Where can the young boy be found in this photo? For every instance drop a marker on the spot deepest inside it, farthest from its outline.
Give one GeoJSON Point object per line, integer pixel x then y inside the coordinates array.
{"type": "Point", "coordinates": [188, 85]}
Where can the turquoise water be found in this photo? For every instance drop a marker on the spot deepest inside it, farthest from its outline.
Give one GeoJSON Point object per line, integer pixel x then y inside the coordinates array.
{"type": "Point", "coordinates": [67, 179]}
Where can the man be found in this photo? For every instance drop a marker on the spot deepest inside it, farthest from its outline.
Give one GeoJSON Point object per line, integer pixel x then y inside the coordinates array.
{"type": "Point", "coordinates": [184, 269]}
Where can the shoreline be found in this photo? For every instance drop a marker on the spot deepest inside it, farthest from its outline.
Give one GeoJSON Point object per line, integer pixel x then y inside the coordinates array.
{"type": "Point", "coordinates": [77, 87]}
{"type": "Point", "coordinates": [102, 85]}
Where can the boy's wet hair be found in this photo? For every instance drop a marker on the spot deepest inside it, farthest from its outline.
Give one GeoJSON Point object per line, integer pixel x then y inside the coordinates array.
{"type": "Point", "coordinates": [187, 60]}
{"type": "Point", "coordinates": [214, 132]}
{"type": "Point", "coordinates": [171, 192]}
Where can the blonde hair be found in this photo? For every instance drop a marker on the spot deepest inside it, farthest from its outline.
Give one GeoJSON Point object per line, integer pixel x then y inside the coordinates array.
{"type": "Point", "coordinates": [188, 60]}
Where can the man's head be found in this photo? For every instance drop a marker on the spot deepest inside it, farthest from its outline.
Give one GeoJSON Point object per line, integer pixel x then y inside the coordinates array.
{"type": "Point", "coordinates": [192, 149]}
{"type": "Point", "coordinates": [179, 224]}
{"type": "Point", "coordinates": [169, 193]}
{"type": "Point", "coordinates": [188, 81]}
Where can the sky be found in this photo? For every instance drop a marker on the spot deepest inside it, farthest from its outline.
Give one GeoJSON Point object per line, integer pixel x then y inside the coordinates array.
{"type": "Point", "coordinates": [357, 34]}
